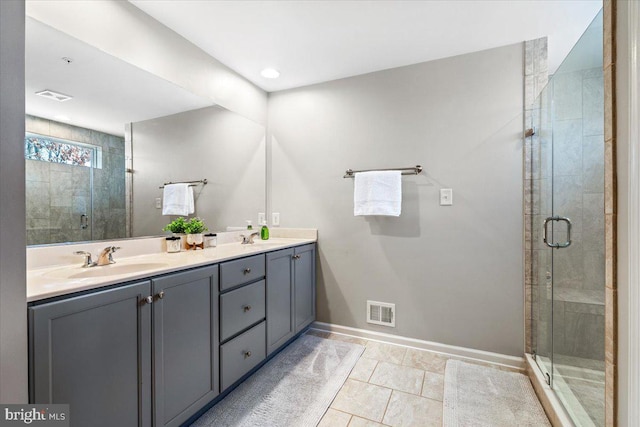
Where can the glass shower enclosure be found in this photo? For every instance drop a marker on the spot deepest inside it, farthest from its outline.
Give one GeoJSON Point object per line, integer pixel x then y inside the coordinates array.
{"type": "Point", "coordinates": [568, 291]}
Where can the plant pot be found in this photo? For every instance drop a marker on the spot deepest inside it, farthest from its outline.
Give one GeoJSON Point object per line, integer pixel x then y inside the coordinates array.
{"type": "Point", "coordinates": [195, 240]}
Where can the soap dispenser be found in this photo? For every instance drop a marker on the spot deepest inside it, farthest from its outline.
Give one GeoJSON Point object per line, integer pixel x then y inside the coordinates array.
{"type": "Point", "coordinates": [264, 232]}
{"type": "Point", "coordinates": [249, 226]}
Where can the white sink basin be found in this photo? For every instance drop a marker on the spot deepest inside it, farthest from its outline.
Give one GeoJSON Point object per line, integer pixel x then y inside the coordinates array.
{"type": "Point", "coordinates": [103, 271]}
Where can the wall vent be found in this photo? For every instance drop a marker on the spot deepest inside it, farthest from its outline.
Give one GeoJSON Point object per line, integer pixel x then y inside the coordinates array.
{"type": "Point", "coordinates": [56, 96]}
{"type": "Point", "coordinates": [381, 313]}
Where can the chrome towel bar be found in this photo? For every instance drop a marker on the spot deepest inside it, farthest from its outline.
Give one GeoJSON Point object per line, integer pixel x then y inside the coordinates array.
{"type": "Point", "coordinates": [415, 170]}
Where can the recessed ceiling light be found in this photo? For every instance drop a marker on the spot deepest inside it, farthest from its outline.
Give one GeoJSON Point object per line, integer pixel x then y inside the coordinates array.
{"type": "Point", "coordinates": [62, 118]}
{"type": "Point", "coordinates": [54, 95]}
{"type": "Point", "coordinates": [270, 73]}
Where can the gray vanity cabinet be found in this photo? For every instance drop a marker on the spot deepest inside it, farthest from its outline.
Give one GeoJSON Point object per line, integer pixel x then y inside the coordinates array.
{"type": "Point", "coordinates": [185, 344]}
{"type": "Point", "coordinates": [93, 352]}
{"type": "Point", "coordinates": [304, 280]}
{"type": "Point", "coordinates": [280, 309]}
{"type": "Point", "coordinates": [291, 293]}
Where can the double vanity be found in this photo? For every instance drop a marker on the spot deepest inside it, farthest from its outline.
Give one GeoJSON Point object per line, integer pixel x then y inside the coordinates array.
{"type": "Point", "coordinates": [154, 339]}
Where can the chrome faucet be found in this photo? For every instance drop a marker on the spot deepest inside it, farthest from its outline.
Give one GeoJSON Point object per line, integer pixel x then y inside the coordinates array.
{"type": "Point", "coordinates": [88, 262]}
{"type": "Point", "coordinates": [106, 256]}
{"type": "Point", "coordinates": [248, 240]}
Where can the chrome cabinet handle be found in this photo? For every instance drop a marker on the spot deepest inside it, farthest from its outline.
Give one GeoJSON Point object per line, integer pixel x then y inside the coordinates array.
{"type": "Point", "coordinates": [247, 354]}
{"type": "Point", "coordinates": [148, 300]}
{"type": "Point", "coordinates": [246, 308]}
{"type": "Point", "coordinates": [160, 294]}
{"type": "Point", "coordinates": [544, 232]}
{"type": "Point", "coordinates": [247, 270]}
{"type": "Point", "coordinates": [296, 257]}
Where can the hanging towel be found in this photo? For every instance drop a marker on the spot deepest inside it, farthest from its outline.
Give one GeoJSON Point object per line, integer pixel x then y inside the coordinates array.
{"type": "Point", "coordinates": [177, 199]}
{"type": "Point", "coordinates": [377, 193]}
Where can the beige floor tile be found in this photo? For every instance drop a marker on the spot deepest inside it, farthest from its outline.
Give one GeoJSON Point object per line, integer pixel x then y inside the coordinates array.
{"type": "Point", "coordinates": [425, 360]}
{"type": "Point", "coordinates": [433, 386]}
{"type": "Point", "coordinates": [410, 410]}
{"type": "Point", "coordinates": [363, 369]}
{"type": "Point", "coordinates": [333, 418]}
{"type": "Point", "coordinates": [385, 352]}
{"type": "Point", "coordinates": [361, 422]}
{"type": "Point", "coordinates": [347, 338]}
{"type": "Point", "coordinates": [403, 378]}
{"type": "Point", "coordinates": [318, 333]}
{"type": "Point", "coordinates": [362, 399]}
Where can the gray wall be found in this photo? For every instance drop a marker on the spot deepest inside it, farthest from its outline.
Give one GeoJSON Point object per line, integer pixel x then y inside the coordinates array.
{"type": "Point", "coordinates": [13, 319]}
{"type": "Point", "coordinates": [58, 194]}
{"type": "Point", "coordinates": [213, 143]}
{"type": "Point", "coordinates": [454, 273]}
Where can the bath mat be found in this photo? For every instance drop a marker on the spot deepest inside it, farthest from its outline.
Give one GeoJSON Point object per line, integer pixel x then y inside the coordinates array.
{"type": "Point", "coordinates": [294, 389]}
{"type": "Point", "coordinates": [487, 397]}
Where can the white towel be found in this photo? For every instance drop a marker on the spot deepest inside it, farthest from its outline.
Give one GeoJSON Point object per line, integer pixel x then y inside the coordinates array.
{"type": "Point", "coordinates": [377, 193]}
{"type": "Point", "coordinates": [177, 199]}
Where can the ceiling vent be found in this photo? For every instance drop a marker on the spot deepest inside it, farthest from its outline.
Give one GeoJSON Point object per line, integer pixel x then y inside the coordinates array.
{"type": "Point", "coordinates": [381, 313]}
{"type": "Point", "coordinates": [53, 95]}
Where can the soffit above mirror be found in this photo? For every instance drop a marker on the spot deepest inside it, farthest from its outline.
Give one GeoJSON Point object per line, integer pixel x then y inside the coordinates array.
{"type": "Point", "coordinates": [107, 92]}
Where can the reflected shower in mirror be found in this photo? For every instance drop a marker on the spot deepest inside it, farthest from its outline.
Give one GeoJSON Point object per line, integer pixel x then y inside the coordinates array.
{"type": "Point", "coordinates": [116, 113]}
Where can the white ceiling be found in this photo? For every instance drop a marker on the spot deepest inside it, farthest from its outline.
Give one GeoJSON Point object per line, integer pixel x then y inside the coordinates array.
{"type": "Point", "coordinates": [316, 41]}
{"type": "Point", "coordinates": [107, 92]}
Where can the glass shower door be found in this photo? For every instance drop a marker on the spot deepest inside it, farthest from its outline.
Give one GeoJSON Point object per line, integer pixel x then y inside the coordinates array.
{"type": "Point", "coordinates": [568, 226]}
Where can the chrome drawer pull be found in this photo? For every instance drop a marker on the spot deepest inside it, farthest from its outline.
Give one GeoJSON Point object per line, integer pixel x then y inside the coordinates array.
{"type": "Point", "coordinates": [247, 354]}
{"type": "Point", "coordinates": [246, 308]}
{"type": "Point", "coordinates": [296, 257]}
{"type": "Point", "coordinates": [148, 300]}
{"type": "Point", "coordinates": [161, 295]}
{"type": "Point", "coordinates": [247, 270]}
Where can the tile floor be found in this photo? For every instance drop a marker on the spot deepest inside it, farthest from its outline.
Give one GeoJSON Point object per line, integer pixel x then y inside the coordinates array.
{"type": "Point", "coordinates": [390, 385]}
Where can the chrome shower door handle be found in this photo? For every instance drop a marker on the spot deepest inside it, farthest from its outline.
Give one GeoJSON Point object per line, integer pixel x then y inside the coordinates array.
{"type": "Point", "coordinates": [544, 232]}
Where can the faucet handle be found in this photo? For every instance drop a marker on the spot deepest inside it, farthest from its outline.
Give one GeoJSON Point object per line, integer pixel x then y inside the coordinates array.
{"type": "Point", "coordinates": [88, 262]}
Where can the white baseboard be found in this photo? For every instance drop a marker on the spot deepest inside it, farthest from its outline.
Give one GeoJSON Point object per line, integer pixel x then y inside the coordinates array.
{"type": "Point", "coordinates": [470, 354]}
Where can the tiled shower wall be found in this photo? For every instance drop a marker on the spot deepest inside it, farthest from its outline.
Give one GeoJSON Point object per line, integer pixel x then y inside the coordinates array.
{"type": "Point", "coordinates": [578, 193]}
{"type": "Point", "coordinates": [58, 194]}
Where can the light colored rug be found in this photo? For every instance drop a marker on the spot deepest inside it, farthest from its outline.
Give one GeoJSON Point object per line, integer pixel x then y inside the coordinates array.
{"type": "Point", "coordinates": [295, 388]}
{"type": "Point", "coordinates": [480, 396]}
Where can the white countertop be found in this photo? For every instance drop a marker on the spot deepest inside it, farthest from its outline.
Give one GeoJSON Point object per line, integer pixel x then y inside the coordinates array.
{"type": "Point", "coordinates": [57, 280]}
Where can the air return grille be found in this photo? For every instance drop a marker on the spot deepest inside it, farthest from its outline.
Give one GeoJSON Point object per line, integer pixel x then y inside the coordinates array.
{"type": "Point", "coordinates": [49, 94]}
{"type": "Point", "coordinates": [381, 313]}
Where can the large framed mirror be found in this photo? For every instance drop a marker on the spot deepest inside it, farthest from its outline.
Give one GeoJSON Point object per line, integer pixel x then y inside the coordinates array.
{"type": "Point", "coordinates": [96, 163]}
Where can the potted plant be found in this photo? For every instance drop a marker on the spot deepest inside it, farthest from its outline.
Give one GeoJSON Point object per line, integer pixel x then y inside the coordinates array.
{"type": "Point", "coordinates": [177, 228]}
{"type": "Point", "coordinates": [194, 229]}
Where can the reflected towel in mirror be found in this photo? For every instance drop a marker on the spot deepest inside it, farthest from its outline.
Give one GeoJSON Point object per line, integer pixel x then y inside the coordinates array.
{"type": "Point", "coordinates": [177, 199]}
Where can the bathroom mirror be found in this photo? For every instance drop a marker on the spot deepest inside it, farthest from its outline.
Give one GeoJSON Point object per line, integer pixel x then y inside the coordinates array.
{"type": "Point", "coordinates": [95, 163]}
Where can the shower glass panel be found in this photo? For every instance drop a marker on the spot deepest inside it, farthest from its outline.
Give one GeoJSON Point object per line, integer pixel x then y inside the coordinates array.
{"type": "Point", "coordinates": [568, 214]}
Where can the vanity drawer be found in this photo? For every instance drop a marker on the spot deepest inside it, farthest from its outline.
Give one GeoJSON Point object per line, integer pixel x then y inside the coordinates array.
{"type": "Point", "coordinates": [244, 270]}
{"type": "Point", "coordinates": [241, 354]}
{"type": "Point", "coordinates": [241, 308]}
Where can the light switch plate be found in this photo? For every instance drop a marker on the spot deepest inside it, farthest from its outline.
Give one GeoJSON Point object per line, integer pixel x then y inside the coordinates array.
{"type": "Point", "coordinates": [446, 196]}
{"type": "Point", "coordinates": [275, 219]}
{"type": "Point", "coordinates": [158, 203]}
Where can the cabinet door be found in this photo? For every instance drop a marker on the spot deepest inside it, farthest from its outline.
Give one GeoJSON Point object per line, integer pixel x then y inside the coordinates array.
{"type": "Point", "coordinates": [304, 267]}
{"type": "Point", "coordinates": [280, 326]}
{"type": "Point", "coordinates": [185, 344]}
{"type": "Point", "coordinates": [94, 353]}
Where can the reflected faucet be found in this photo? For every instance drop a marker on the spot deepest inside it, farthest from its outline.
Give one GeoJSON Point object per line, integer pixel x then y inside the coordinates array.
{"type": "Point", "coordinates": [88, 262]}
{"type": "Point", "coordinates": [106, 256]}
{"type": "Point", "coordinates": [248, 239]}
